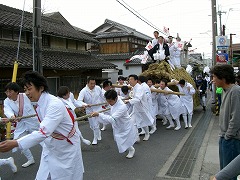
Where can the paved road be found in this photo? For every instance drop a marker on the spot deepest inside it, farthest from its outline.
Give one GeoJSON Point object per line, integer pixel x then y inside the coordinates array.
{"type": "Point", "coordinates": [103, 162]}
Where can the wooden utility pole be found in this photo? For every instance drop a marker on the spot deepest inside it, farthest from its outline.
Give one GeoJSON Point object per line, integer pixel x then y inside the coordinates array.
{"type": "Point", "coordinates": [214, 34]}
{"type": "Point", "coordinates": [37, 37]}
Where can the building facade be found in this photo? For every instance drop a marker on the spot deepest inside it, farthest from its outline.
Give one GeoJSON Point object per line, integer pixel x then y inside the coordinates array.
{"type": "Point", "coordinates": [65, 57]}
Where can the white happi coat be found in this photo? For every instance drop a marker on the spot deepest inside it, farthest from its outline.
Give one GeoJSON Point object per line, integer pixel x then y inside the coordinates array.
{"type": "Point", "coordinates": [154, 97]}
{"type": "Point", "coordinates": [162, 104]}
{"type": "Point", "coordinates": [187, 100]}
{"type": "Point", "coordinates": [149, 98]}
{"type": "Point", "coordinates": [61, 159]}
{"type": "Point", "coordinates": [174, 104]}
{"type": "Point", "coordinates": [11, 108]}
{"type": "Point", "coordinates": [71, 104]}
{"type": "Point", "coordinates": [141, 113]}
{"type": "Point", "coordinates": [172, 51]}
{"type": "Point", "coordinates": [175, 54]}
{"type": "Point", "coordinates": [93, 96]}
{"type": "Point", "coordinates": [124, 129]}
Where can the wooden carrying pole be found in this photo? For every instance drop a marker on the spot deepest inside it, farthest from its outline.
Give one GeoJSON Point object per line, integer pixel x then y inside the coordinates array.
{"type": "Point", "coordinates": [120, 86]}
{"type": "Point", "coordinates": [90, 115]}
{"type": "Point", "coordinates": [17, 118]}
{"type": "Point", "coordinates": [153, 90]}
{"type": "Point", "coordinates": [166, 92]}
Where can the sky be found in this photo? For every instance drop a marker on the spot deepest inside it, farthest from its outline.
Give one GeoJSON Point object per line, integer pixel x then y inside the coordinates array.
{"type": "Point", "coordinates": [190, 18]}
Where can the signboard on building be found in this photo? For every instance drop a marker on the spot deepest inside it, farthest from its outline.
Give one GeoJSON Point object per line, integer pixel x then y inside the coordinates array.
{"type": "Point", "coordinates": [222, 58]}
{"type": "Point", "coordinates": [222, 43]}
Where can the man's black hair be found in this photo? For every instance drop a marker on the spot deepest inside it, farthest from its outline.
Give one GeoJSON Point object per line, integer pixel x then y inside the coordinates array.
{"type": "Point", "coordinates": [121, 78]}
{"type": "Point", "coordinates": [111, 94]}
{"type": "Point", "coordinates": [38, 80]}
{"type": "Point", "coordinates": [124, 89]}
{"type": "Point", "coordinates": [157, 81]}
{"type": "Point", "coordinates": [182, 82]}
{"type": "Point", "coordinates": [224, 71]}
{"type": "Point", "coordinates": [62, 91]}
{"type": "Point", "coordinates": [142, 79]}
{"type": "Point", "coordinates": [12, 86]}
{"type": "Point", "coordinates": [107, 83]}
{"type": "Point", "coordinates": [134, 76]}
{"type": "Point", "coordinates": [90, 79]}
{"type": "Point", "coordinates": [165, 81]}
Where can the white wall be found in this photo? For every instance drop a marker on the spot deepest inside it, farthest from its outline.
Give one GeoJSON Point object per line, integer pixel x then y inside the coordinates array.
{"type": "Point", "coordinates": [136, 69]}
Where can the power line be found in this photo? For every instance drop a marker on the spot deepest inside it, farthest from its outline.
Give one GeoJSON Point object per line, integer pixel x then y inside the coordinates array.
{"type": "Point", "coordinates": [140, 16]}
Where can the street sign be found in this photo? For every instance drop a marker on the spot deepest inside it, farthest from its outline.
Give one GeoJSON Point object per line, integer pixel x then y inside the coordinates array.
{"type": "Point", "coordinates": [222, 58]}
{"type": "Point", "coordinates": [222, 43]}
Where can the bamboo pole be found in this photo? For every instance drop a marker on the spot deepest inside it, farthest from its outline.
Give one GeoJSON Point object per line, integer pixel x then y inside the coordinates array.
{"type": "Point", "coordinates": [99, 104]}
{"type": "Point", "coordinates": [166, 92]}
{"type": "Point", "coordinates": [90, 115]}
{"type": "Point", "coordinates": [119, 86]}
{"type": "Point", "coordinates": [16, 119]}
{"type": "Point", "coordinates": [153, 90]}
{"type": "Point", "coordinates": [14, 78]}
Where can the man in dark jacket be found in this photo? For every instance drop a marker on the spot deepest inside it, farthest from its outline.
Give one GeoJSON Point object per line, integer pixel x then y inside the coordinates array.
{"type": "Point", "coordinates": [201, 85]}
{"type": "Point", "coordinates": [160, 46]}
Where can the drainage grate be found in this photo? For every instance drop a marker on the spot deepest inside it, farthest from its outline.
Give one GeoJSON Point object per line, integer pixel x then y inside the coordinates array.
{"type": "Point", "coordinates": [183, 164]}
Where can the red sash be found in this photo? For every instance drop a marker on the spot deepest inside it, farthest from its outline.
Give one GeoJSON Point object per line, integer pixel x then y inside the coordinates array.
{"type": "Point", "coordinates": [60, 136]}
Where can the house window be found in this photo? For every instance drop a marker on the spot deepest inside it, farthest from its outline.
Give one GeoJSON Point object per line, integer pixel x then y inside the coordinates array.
{"type": "Point", "coordinates": [7, 34]}
{"type": "Point", "coordinates": [16, 35]}
{"type": "Point", "coordinates": [117, 39]}
{"type": "Point", "coordinates": [45, 41]}
{"type": "Point", "coordinates": [102, 40]}
{"type": "Point", "coordinates": [120, 72]}
{"type": "Point", "coordinates": [124, 39]}
{"type": "Point", "coordinates": [110, 40]}
{"type": "Point", "coordinates": [127, 67]}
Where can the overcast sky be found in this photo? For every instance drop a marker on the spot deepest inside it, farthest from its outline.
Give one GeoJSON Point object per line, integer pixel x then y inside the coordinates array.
{"type": "Point", "coordinates": [189, 18]}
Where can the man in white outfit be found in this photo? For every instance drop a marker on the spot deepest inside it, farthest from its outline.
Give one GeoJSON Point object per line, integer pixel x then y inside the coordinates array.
{"type": "Point", "coordinates": [155, 39]}
{"type": "Point", "coordinates": [107, 85]}
{"type": "Point", "coordinates": [121, 81]}
{"type": "Point", "coordinates": [154, 108]}
{"type": "Point", "coordinates": [173, 108]}
{"type": "Point", "coordinates": [124, 129]}
{"type": "Point", "coordinates": [18, 104]}
{"type": "Point", "coordinates": [187, 100]}
{"type": "Point", "coordinates": [142, 82]}
{"type": "Point", "coordinates": [92, 94]}
{"type": "Point", "coordinates": [61, 157]}
{"type": "Point", "coordinates": [71, 104]}
{"type": "Point", "coordinates": [141, 112]}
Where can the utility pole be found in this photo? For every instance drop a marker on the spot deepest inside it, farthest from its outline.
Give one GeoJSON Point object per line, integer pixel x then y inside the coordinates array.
{"type": "Point", "coordinates": [37, 37]}
{"type": "Point", "coordinates": [214, 31]}
{"type": "Point", "coordinates": [231, 50]}
{"type": "Point", "coordinates": [220, 21]}
{"type": "Point", "coordinates": [214, 34]}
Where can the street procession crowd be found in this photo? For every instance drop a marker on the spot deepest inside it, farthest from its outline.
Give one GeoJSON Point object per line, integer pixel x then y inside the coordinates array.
{"type": "Point", "coordinates": [131, 107]}
{"type": "Point", "coordinates": [128, 109]}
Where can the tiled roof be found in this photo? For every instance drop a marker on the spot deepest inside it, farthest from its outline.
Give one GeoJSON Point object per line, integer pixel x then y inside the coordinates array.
{"type": "Point", "coordinates": [120, 56]}
{"type": "Point", "coordinates": [11, 17]}
{"type": "Point", "coordinates": [52, 59]}
{"type": "Point", "coordinates": [124, 31]}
